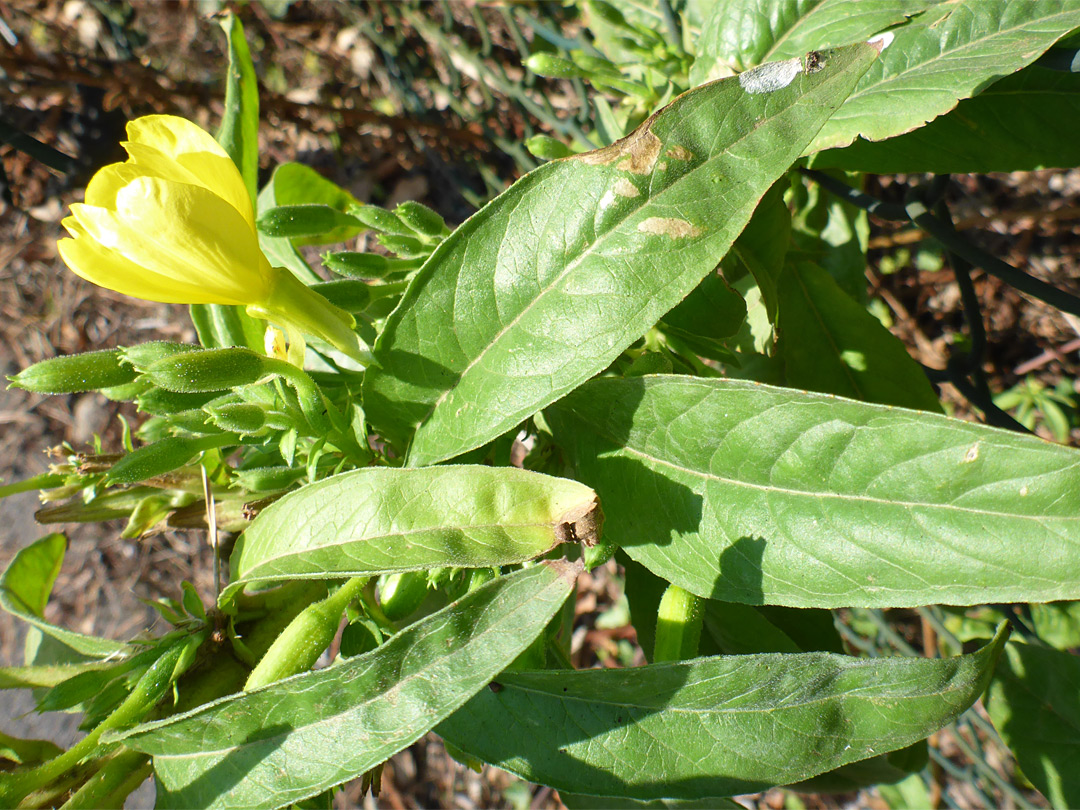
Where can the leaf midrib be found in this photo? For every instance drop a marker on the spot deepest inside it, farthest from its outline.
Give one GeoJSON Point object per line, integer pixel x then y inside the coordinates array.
{"type": "Point", "coordinates": [473, 639]}
{"type": "Point", "coordinates": [590, 249]}
{"type": "Point", "coordinates": [802, 493]}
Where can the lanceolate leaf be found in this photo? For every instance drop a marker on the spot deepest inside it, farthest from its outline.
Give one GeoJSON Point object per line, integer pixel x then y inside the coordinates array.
{"type": "Point", "coordinates": [1025, 121]}
{"type": "Point", "coordinates": [218, 324]}
{"type": "Point", "coordinates": [951, 52]}
{"type": "Point", "coordinates": [1033, 703]}
{"type": "Point", "coordinates": [24, 590]}
{"type": "Point", "coordinates": [749, 493]}
{"type": "Point", "coordinates": [831, 344]}
{"type": "Point", "coordinates": [381, 519]}
{"type": "Point", "coordinates": [712, 726]}
{"type": "Point", "coordinates": [548, 283]}
{"type": "Point", "coordinates": [298, 737]}
{"type": "Point", "coordinates": [739, 34]}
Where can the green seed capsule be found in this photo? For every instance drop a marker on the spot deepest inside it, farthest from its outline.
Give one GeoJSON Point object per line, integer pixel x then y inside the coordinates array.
{"type": "Point", "coordinates": [607, 12]}
{"type": "Point", "coordinates": [145, 354]}
{"type": "Point", "coordinates": [366, 265]}
{"type": "Point", "coordinates": [408, 247]}
{"type": "Point", "coordinates": [292, 221]}
{"type": "Point", "coordinates": [162, 457]}
{"type": "Point", "coordinates": [268, 479]}
{"type": "Point", "coordinates": [554, 67]}
{"type": "Point", "coordinates": [239, 417]}
{"type": "Point", "coordinates": [209, 370]}
{"type": "Point", "coordinates": [347, 294]}
{"type": "Point", "coordinates": [401, 594]}
{"type": "Point", "coordinates": [159, 402]}
{"type": "Point", "coordinates": [422, 219]}
{"type": "Point", "coordinates": [547, 148]}
{"type": "Point", "coordinates": [379, 219]}
{"type": "Point", "coordinates": [90, 371]}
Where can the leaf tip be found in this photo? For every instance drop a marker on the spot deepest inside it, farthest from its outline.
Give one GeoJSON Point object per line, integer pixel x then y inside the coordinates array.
{"type": "Point", "coordinates": [566, 569]}
{"type": "Point", "coordinates": [581, 524]}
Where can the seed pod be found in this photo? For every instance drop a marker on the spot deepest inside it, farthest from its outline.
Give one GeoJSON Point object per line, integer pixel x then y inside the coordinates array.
{"type": "Point", "coordinates": [401, 594]}
{"type": "Point", "coordinates": [348, 294]}
{"type": "Point", "coordinates": [379, 219]}
{"type": "Point", "coordinates": [162, 457]}
{"type": "Point", "coordinates": [238, 417]}
{"type": "Point", "coordinates": [268, 479]}
{"type": "Point", "coordinates": [408, 247]}
{"type": "Point", "coordinates": [89, 371]}
{"type": "Point", "coordinates": [422, 219]}
{"type": "Point", "coordinates": [292, 221]}
{"type": "Point", "coordinates": [209, 370]}
{"type": "Point", "coordinates": [554, 67]}
{"type": "Point", "coordinates": [547, 148]}
{"type": "Point", "coordinates": [366, 265]}
{"type": "Point", "coordinates": [159, 402]}
{"type": "Point", "coordinates": [145, 354]}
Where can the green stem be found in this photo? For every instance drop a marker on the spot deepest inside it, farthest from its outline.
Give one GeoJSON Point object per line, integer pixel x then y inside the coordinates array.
{"type": "Point", "coordinates": [678, 625]}
{"type": "Point", "coordinates": [303, 641]}
{"type": "Point", "coordinates": [112, 784]}
{"type": "Point", "coordinates": [147, 691]}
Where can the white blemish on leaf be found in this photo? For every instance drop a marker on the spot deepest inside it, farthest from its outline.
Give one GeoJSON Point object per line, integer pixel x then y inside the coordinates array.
{"type": "Point", "coordinates": [882, 40]}
{"type": "Point", "coordinates": [678, 152]}
{"type": "Point", "coordinates": [972, 454]}
{"type": "Point", "coordinates": [624, 188]}
{"type": "Point", "coordinates": [1023, 491]}
{"type": "Point", "coordinates": [608, 199]}
{"type": "Point", "coordinates": [668, 226]}
{"type": "Point", "coordinates": [770, 76]}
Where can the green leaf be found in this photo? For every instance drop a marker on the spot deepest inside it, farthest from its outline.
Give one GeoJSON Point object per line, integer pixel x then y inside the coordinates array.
{"type": "Point", "coordinates": [533, 295]}
{"type": "Point", "coordinates": [763, 244]}
{"type": "Point", "coordinates": [45, 676]}
{"type": "Point", "coordinates": [953, 51]}
{"type": "Point", "coordinates": [381, 519]}
{"type": "Point", "coordinates": [23, 752]}
{"type": "Point", "coordinates": [748, 493]}
{"type": "Point", "coordinates": [297, 184]}
{"type": "Point", "coordinates": [832, 233]}
{"type": "Point", "coordinates": [1032, 701]}
{"type": "Point", "coordinates": [24, 590]}
{"type": "Point", "coordinates": [712, 311]}
{"type": "Point", "coordinates": [216, 324]}
{"type": "Point", "coordinates": [239, 132]}
{"type": "Point", "coordinates": [575, 801]}
{"type": "Point", "coordinates": [714, 726]}
{"type": "Point", "coordinates": [832, 345]}
{"type": "Point", "coordinates": [298, 737]}
{"type": "Point", "coordinates": [1023, 122]}
{"type": "Point", "coordinates": [739, 34]}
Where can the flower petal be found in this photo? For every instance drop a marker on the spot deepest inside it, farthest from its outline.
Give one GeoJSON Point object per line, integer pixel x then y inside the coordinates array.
{"type": "Point", "coordinates": [197, 151]}
{"type": "Point", "coordinates": [185, 232]}
{"type": "Point", "coordinates": [173, 135]}
{"type": "Point", "coordinates": [212, 172]}
{"type": "Point", "coordinates": [107, 268]}
{"type": "Point", "coordinates": [104, 185]}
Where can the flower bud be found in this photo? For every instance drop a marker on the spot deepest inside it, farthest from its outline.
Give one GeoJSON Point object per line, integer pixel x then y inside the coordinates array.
{"type": "Point", "coordinates": [292, 221]}
{"type": "Point", "coordinates": [89, 371]}
{"type": "Point", "coordinates": [366, 265]}
{"type": "Point", "coordinates": [422, 219]}
{"type": "Point", "coordinates": [547, 148]}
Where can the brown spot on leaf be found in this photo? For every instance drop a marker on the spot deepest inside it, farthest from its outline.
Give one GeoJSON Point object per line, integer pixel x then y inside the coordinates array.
{"type": "Point", "coordinates": [668, 226]}
{"type": "Point", "coordinates": [636, 153]}
{"type": "Point", "coordinates": [581, 524]}
{"type": "Point", "coordinates": [624, 188]}
{"type": "Point", "coordinates": [678, 152]}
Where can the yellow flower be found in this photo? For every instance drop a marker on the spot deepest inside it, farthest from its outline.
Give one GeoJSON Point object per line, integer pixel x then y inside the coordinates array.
{"type": "Point", "coordinates": [174, 223]}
